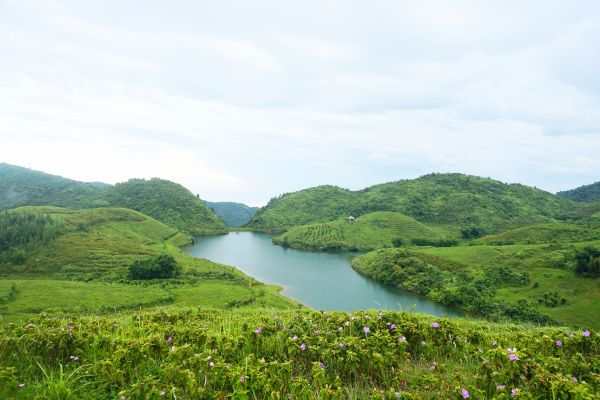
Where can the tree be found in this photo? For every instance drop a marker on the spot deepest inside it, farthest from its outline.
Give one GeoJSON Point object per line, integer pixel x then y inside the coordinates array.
{"type": "Point", "coordinates": [587, 261]}
{"type": "Point", "coordinates": [162, 266]}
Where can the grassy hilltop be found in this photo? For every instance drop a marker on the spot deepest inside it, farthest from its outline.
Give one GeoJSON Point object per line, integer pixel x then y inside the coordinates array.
{"type": "Point", "coordinates": [454, 200]}
{"type": "Point", "coordinates": [82, 265]}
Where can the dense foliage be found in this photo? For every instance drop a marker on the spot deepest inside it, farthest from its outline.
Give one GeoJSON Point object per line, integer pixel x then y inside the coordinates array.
{"type": "Point", "coordinates": [452, 199]}
{"type": "Point", "coordinates": [167, 202]}
{"type": "Point", "coordinates": [162, 266]}
{"type": "Point", "coordinates": [553, 232]}
{"type": "Point", "coordinates": [21, 186]}
{"type": "Point", "coordinates": [587, 261]}
{"type": "Point", "coordinates": [234, 214]}
{"type": "Point", "coordinates": [586, 193]}
{"type": "Point", "coordinates": [22, 232]}
{"type": "Point", "coordinates": [470, 290]}
{"type": "Point", "coordinates": [301, 355]}
{"type": "Point", "coordinates": [370, 231]}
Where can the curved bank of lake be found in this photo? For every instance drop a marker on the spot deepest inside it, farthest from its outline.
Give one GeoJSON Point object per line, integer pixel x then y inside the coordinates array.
{"type": "Point", "coordinates": [324, 281]}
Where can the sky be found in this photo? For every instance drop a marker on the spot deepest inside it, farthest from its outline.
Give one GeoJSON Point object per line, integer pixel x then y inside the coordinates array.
{"type": "Point", "coordinates": [245, 100]}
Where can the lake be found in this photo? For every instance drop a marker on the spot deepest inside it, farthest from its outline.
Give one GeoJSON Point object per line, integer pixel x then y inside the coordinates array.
{"type": "Point", "coordinates": [323, 281]}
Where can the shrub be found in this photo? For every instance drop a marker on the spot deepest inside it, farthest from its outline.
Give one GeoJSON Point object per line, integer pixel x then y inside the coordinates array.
{"type": "Point", "coordinates": [162, 266]}
{"type": "Point", "coordinates": [587, 261]}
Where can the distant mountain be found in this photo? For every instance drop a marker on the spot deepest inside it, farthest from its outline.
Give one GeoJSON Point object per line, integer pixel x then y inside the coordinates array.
{"type": "Point", "coordinates": [585, 194]}
{"type": "Point", "coordinates": [451, 199]}
{"type": "Point", "coordinates": [234, 214]}
{"type": "Point", "coordinates": [167, 202]}
{"type": "Point", "coordinates": [22, 186]}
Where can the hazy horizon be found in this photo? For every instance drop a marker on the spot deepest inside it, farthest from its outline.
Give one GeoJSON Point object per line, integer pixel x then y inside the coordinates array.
{"type": "Point", "coordinates": [245, 101]}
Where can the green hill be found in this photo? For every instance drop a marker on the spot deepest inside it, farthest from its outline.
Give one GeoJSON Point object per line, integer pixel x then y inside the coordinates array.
{"type": "Point", "coordinates": [167, 202]}
{"type": "Point", "coordinates": [586, 193]}
{"type": "Point", "coordinates": [264, 354]}
{"type": "Point", "coordinates": [367, 232]}
{"type": "Point", "coordinates": [456, 200]}
{"type": "Point", "coordinates": [234, 214]}
{"type": "Point", "coordinates": [163, 200]}
{"type": "Point", "coordinates": [24, 187]}
{"type": "Point", "coordinates": [78, 260]}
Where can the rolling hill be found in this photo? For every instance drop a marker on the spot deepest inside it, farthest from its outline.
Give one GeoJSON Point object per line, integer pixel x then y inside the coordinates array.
{"type": "Point", "coordinates": [234, 214]}
{"type": "Point", "coordinates": [455, 200]}
{"type": "Point", "coordinates": [164, 200]}
{"type": "Point", "coordinates": [167, 202]}
{"type": "Point", "coordinates": [369, 231]}
{"type": "Point", "coordinates": [584, 194]}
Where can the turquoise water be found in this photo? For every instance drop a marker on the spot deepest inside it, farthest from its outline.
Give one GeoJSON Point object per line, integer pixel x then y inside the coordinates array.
{"type": "Point", "coordinates": [324, 281]}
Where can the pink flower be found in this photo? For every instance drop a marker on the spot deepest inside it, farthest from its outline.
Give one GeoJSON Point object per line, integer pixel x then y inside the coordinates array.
{"type": "Point", "coordinates": [586, 333]}
{"type": "Point", "coordinates": [294, 338]}
{"type": "Point", "coordinates": [259, 330]}
{"type": "Point", "coordinates": [500, 387]}
{"type": "Point", "coordinates": [575, 380]}
{"type": "Point", "coordinates": [514, 392]}
{"type": "Point", "coordinates": [212, 364]}
{"type": "Point", "coordinates": [321, 365]}
{"type": "Point", "coordinates": [435, 325]}
{"type": "Point", "coordinates": [366, 329]}
{"type": "Point", "coordinates": [393, 326]}
{"type": "Point", "coordinates": [342, 345]}
{"type": "Point", "coordinates": [162, 393]}
{"type": "Point", "coordinates": [465, 393]}
{"type": "Point", "coordinates": [340, 329]}
{"type": "Point", "coordinates": [302, 347]}
{"type": "Point", "coordinates": [513, 357]}
{"type": "Point", "coordinates": [402, 339]}
{"type": "Point", "coordinates": [242, 379]}
{"type": "Point", "coordinates": [169, 339]}
{"type": "Point", "coordinates": [559, 343]}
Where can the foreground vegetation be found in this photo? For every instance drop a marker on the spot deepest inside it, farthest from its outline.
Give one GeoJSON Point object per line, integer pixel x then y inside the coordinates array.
{"type": "Point", "coordinates": [185, 354]}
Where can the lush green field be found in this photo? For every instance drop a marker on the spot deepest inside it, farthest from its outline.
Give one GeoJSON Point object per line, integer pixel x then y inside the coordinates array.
{"type": "Point", "coordinates": [370, 231]}
{"type": "Point", "coordinates": [546, 233]}
{"type": "Point", "coordinates": [85, 268]}
{"type": "Point", "coordinates": [456, 200]}
{"type": "Point", "coordinates": [187, 354]}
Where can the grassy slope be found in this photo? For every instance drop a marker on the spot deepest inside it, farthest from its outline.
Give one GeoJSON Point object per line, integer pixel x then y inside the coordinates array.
{"type": "Point", "coordinates": [167, 202]}
{"type": "Point", "coordinates": [87, 264]}
{"type": "Point", "coordinates": [189, 354]}
{"type": "Point", "coordinates": [545, 233]}
{"type": "Point", "coordinates": [452, 199]}
{"type": "Point", "coordinates": [367, 232]}
{"type": "Point", "coordinates": [234, 214]}
{"type": "Point", "coordinates": [547, 264]}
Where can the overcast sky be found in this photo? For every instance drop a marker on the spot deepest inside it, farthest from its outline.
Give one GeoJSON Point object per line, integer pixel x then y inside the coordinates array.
{"type": "Point", "coordinates": [244, 100]}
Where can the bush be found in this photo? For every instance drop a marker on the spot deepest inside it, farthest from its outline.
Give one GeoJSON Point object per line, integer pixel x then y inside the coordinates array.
{"type": "Point", "coordinates": [587, 261]}
{"type": "Point", "coordinates": [162, 266]}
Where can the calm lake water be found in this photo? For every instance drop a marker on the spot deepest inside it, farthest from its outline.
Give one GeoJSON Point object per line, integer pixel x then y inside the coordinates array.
{"type": "Point", "coordinates": [324, 281]}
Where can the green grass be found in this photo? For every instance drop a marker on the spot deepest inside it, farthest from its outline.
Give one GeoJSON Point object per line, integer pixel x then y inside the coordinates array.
{"type": "Point", "coordinates": [545, 233]}
{"type": "Point", "coordinates": [85, 268]}
{"type": "Point", "coordinates": [370, 231]}
{"type": "Point", "coordinates": [259, 354]}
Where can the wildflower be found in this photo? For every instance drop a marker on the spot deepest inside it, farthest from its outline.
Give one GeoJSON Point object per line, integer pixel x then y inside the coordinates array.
{"type": "Point", "coordinates": [570, 335]}
{"type": "Point", "coordinates": [208, 358]}
{"type": "Point", "coordinates": [212, 364]}
{"type": "Point", "coordinates": [317, 331]}
{"type": "Point", "coordinates": [559, 343]}
{"type": "Point", "coordinates": [162, 393]}
{"type": "Point", "coordinates": [74, 358]}
{"type": "Point", "coordinates": [494, 343]}
{"type": "Point", "coordinates": [169, 339]}
{"type": "Point", "coordinates": [259, 330]}
{"type": "Point", "coordinates": [513, 357]}
{"type": "Point", "coordinates": [29, 326]}
{"type": "Point", "coordinates": [242, 379]}
{"type": "Point", "coordinates": [21, 385]}
{"type": "Point", "coordinates": [228, 366]}
{"type": "Point", "coordinates": [342, 345]}
{"type": "Point", "coordinates": [302, 347]}
{"type": "Point", "coordinates": [294, 338]}
{"type": "Point", "coordinates": [500, 387]}
{"type": "Point", "coordinates": [435, 325]}
{"type": "Point", "coordinates": [123, 397]}
{"type": "Point", "coordinates": [575, 380]}
{"type": "Point", "coordinates": [340, 329]}
{"type": "Point", "coordinates": [586, 333]}
{"type": "Point", "coordinates": [479, 350]}
{"type": "Point", "coordinates": [366, 329]}
{"type": "Point", "coordinates": [387, 323]}
{"type": "Point", "coordinates": [173, 348]}
{"type": "Point", "coordinates": [514, 392]}
{"type": "Point", "coordinates": [465, 393]}
{"type": "Point", "coordinates": [402, 339]}
{"type": "Point", "coordinates": [423, 342]}
{"type": "Point", "coordinates": [393, 326]}
{"type": "Point", "coordinates": [321, 365]}
{"type": "Point", "coordinates": [433, 365]}
{"type": "Point", "coordinates": [347, 323]}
